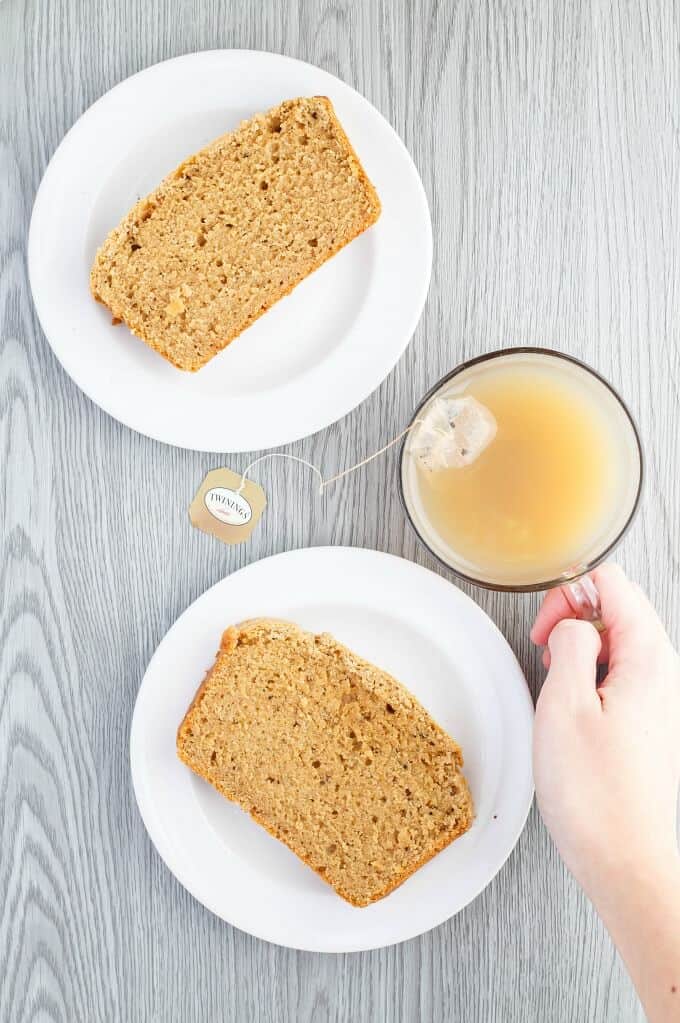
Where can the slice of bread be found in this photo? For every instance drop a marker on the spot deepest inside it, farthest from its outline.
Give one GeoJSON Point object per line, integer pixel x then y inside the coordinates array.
{"type": "Point", "coordinates": [233, 229]}
{"type": "Point", "coordinates": [330, 754]}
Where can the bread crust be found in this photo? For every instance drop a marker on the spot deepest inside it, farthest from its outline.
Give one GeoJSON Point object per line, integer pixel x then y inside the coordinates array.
{"type": "Point", "coordinates": [231, 638]}
{"type": "Point", "coordinates": [156, 198]}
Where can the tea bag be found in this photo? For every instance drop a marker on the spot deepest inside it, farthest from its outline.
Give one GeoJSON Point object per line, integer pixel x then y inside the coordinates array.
{"type": "Point", "coordinates": [453, 433]}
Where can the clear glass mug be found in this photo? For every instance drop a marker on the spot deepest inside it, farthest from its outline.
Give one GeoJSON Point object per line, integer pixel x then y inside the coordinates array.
{"type": "Point", "coordinates": [577, 586]}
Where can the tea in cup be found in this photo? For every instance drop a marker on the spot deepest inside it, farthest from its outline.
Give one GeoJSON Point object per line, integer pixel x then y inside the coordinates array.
{"type": "Point", "coordinates": [545, 476]}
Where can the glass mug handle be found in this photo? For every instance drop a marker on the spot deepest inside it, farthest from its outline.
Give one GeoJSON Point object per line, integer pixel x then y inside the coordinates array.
{"type": "Point", "coordinates": [584, 600]}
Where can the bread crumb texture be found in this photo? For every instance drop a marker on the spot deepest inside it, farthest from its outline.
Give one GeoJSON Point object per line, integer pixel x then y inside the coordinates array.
{"type": "Point", "coordinates": [233, 229]}
{"type": "Point", "coordinates": [330, 754]}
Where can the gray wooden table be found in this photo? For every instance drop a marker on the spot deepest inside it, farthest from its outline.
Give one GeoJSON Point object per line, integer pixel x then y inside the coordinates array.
{"type": "Point", "coordinates": [547, 136]}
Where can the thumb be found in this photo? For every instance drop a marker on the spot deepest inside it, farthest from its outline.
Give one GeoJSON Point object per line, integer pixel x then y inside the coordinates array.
{"type": "Point", "coordinates": [572, 678]}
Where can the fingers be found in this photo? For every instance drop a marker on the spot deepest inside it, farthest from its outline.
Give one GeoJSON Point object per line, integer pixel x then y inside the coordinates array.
{"type": "Point", "coordinates": [634, 635]}
{"type": "Point", "coordinates": [619, 599]}
{"type": "Point", "coordinates": [554, 608]}
{"type": "Point", "coordinates": [574, 648]}
{"type": "Point", "coordinates": [602, 657]}
{"type": "Point", "coordinates": [617, 595]}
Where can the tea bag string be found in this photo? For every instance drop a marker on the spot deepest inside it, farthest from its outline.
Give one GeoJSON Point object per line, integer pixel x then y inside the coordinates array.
{"type": "Point", "coordinates": [332, 479]}
{"type": "Point", "coordinates": [278, 454]}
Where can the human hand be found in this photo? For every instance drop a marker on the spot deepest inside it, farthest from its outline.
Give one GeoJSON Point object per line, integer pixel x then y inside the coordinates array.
{"type": "Point", "coordinates": [607, 758]}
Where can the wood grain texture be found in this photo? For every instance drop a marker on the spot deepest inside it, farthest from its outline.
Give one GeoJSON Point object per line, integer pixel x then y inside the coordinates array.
{"type": "Point", "coordinates": [548, 139]}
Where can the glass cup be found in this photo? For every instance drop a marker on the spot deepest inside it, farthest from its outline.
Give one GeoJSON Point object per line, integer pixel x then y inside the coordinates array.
{"type": "Point", "coordinates": [576, 584]}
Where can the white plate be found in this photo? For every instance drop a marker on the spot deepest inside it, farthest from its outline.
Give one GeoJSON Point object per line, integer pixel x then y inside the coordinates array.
{"type": "Point", "coordinates": [417, 626]}
{"type": "Point", "coordinates": [316, 354]}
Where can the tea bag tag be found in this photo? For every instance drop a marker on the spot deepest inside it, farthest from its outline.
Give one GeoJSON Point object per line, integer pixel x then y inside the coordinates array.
{"type": "Point", "coordinates": [453, 433]}
{"type": "Point", "coordinates": [227, 506]}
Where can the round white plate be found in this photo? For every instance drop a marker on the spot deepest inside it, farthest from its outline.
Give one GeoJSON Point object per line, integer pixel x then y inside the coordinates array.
{"type": "Point", "coordinates": [308, 361]}
{"type": "Point", "coordinates": [429, 635]}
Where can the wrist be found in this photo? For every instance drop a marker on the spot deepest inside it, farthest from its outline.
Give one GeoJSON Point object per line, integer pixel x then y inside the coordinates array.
{"type": "Point", "coordinates": [637, 887]}
{"type": "Point", "coordinates": [641, 910]}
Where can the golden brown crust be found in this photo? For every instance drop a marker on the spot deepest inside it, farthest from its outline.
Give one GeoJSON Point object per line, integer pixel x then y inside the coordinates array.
{"type": "Point", "coordinates": [152, 343]}
{"type": "Point", "coordinates": [250, 631]}
{"type": "Point", "coordinates": [192, 356]}
{"type": "Point", "coordinates": [359, 904]}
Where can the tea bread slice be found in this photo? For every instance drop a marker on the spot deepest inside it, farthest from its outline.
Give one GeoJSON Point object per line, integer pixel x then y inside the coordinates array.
{"type": "Point", "coordinates": [330, 754]}
{"type": "Point", "coordinates": [233, 229]}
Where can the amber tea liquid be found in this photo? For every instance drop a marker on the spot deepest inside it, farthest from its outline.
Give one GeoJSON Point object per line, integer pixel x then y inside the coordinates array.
{"type": "Point", "coordinates": [553, 489]}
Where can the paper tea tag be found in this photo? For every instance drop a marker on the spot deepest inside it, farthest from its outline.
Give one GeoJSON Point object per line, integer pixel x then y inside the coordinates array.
{"type": "Point", "coordinates": [224, 508]}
